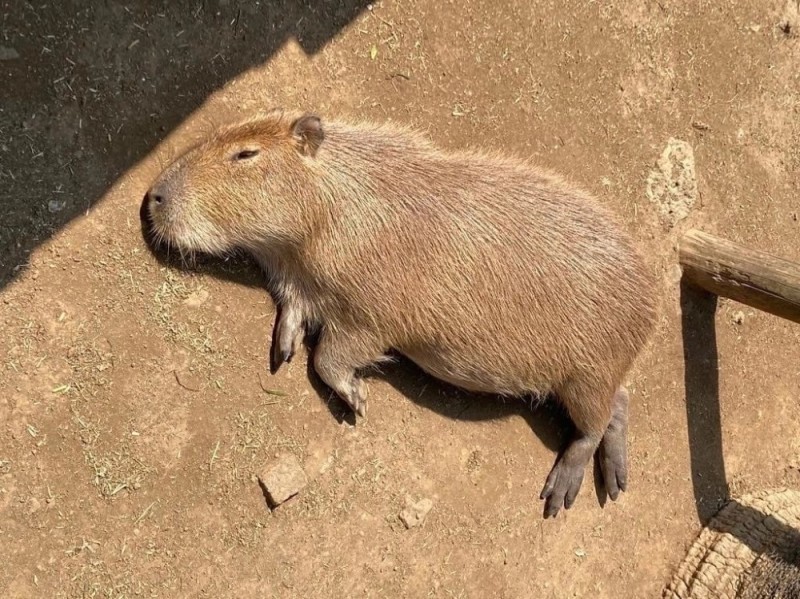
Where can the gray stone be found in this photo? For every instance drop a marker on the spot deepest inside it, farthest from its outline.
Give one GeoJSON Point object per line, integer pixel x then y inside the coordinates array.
{"type": "Point", "coordinates": [7, 53]}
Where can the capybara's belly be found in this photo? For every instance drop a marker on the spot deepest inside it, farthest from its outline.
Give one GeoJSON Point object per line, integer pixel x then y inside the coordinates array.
{"type": "Point", "coordinates": [472, 369]}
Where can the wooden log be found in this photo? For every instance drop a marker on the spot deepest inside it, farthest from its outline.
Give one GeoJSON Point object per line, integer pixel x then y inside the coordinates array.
{"type": "Point", "coordinates": [748, 276]}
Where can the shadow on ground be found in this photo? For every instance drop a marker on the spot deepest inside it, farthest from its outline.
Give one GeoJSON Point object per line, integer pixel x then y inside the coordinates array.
{"type": "Point", "coordinates": [704, 418]}
{"type": "Point", "coordinates": [701, 381]}
{"type": "Point", "coordinates": [92, 88]}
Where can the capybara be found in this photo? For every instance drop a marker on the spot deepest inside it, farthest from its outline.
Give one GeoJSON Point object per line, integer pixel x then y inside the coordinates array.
{"type": "Point", "coordinates": [488, 273]}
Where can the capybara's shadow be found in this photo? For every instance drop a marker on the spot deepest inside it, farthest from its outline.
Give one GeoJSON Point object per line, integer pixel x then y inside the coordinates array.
{"type": "Point", "coordinates": [545, 417]}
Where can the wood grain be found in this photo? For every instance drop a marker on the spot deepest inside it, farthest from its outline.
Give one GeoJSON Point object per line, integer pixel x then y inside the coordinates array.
{"type": "Point", "coordinates": [748, 276]}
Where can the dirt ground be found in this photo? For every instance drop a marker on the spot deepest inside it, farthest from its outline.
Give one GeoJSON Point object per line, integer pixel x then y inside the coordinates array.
{"type": "Point", "coordinates": [137, 407]}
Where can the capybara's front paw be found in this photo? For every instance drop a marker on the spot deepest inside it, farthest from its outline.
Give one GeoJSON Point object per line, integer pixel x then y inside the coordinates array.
{"type": "Point", "coordinates": [357, 398]}
{"type": "Point", "coordinates": [288, 337]}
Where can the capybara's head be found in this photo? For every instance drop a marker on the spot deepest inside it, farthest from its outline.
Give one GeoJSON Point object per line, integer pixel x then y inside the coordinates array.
{"type": "Point", "coordinates": [242, 188]}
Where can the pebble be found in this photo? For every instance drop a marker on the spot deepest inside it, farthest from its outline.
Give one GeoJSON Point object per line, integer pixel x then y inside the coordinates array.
{"type": "Point", "coordinates": [197, 299]}
{"type": "Point", "coordinates": [415, 514]}
{"type": "Point", "coordinates": [7, 53]}
{"type": "Point", "coordinates": [56, 205]}
{"type": "Point", "coordinates": [283, 479]}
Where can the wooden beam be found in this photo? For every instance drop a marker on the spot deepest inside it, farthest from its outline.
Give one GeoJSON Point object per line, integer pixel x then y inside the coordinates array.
{"type": "Point", "coordinates": [748, 276]}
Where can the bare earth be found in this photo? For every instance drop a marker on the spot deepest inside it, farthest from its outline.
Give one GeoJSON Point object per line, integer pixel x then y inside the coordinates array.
{"type": "Point", "coordinates": [137, 407]}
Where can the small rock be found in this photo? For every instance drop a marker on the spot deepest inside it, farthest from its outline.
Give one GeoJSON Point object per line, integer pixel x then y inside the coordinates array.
{"type": "Point", "coordinates": [188, 380]}
{"type": "Point", "coordinates": [326, 465]}
{"type": "Point", "coordinates": [196, 299]}
{"type": "Point", "coordinates": [674, 274]}
{"type": "Point", "coordinates": [7, 53]}
{"type": "Point", "coordinates": [56, 205]}
{"type": "Point", "coordinates": [415, 514]}
{"type": "Point", "coordinates": [738, 317]}
{"type": "Point", "coordinates": [34, 505]}
{"type": "Point", "coordinates": [284, 479]}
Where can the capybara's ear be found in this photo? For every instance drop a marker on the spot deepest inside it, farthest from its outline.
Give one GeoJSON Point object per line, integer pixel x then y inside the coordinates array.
{"type": "Point", "coordinates": [308, 134]}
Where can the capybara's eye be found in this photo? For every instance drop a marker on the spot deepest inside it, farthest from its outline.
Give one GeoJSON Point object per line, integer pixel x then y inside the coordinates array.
{"type": "Point", "coordinates": [245, 154]}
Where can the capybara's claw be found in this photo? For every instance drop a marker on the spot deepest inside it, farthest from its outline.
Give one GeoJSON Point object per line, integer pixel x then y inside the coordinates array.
{"type": "Point", "coordinates": [361, 410]}
{"type": "Point", "coordinates": [359, 399]}
{"type": "Point", "coordinates": [287, 339]}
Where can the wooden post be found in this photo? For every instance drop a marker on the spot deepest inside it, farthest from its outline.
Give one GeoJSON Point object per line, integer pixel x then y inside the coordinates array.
{"type": "Point", "coordinates": [747, 276]}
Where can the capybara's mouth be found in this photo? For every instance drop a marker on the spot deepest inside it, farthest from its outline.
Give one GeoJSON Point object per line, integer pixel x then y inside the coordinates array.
{"type": "Point", "coordinates": [148, 224]}
{"type": "Point", "coordinates": [162, 245]}
{"type": "Point", "coordinates": [154, 232]}
{"type": "Point", "coordinates": [167, 238]}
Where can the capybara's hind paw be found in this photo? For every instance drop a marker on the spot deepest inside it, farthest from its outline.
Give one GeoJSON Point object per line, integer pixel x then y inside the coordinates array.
{"type": "Point", "coordinates": [614, 463]}
{"type": "Point", "coordinates": [561, 488]}
{"type": "Point", "coordinates": [613, 447]}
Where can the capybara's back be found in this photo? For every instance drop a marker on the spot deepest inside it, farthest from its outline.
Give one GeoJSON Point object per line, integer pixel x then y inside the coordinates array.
{"type": "Point", "coordinates": [488, 273]}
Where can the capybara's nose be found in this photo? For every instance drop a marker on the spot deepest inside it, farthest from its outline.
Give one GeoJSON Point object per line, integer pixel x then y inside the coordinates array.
{"type": "Point", "coordinates": [153, 196]}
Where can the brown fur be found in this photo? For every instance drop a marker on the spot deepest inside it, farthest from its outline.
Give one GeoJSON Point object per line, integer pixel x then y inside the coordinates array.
{"type": "Point", "coordinates": [487, 272]}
